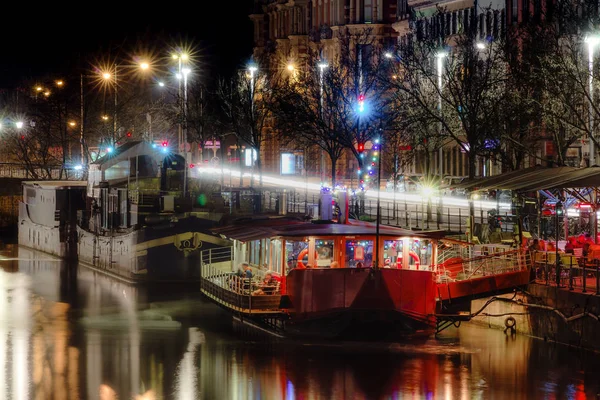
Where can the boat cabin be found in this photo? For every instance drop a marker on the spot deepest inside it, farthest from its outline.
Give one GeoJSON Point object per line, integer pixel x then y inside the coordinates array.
{"type": "Point", "coordinates": [135, 180]}
{"type": "Point", "coordinates": [284, 244]}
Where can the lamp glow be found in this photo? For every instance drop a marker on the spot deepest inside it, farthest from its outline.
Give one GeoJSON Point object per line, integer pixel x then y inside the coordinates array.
{"type": "Point", "coordinates": [480, 45]}
{"type": "Point", "coordinates": [161, 84]}
{"type": "Point", "coordinates": [19, 124]}
{"type": "Point", "coordinates": [106, 75]}
{"type": "Point", "coordinates": [144, 65]}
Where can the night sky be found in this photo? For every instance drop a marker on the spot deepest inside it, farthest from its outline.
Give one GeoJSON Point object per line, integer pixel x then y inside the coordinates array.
{"type": "Point", "coordinates": [42, 41]}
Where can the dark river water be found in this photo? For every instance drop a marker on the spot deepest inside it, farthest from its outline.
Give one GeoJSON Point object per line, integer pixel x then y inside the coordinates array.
{"type": "Point", "coordinates": [91, 337]}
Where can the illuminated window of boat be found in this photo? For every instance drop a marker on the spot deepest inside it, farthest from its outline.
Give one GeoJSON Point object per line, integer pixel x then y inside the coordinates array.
{"type": "Point", "coordinates": [420, 252]}
{"type": "Point", "coordinates": [392, 250]}
{"type": "Point", "coordinates": [324, 250]}
{"type": "Point", "coordinates": [296, 251]}
{"type": "Point", "coordinates": [359, 251]}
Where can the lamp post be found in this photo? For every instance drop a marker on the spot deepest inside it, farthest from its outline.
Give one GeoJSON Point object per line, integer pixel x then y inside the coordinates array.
{"type": "Point", "coordinates": [592, 41]}
{"type": "Point", "coordinates": [252, 69]}
{"type": "Point", "coordinates": [107, 76]}
{"type": "Point", "coordinates": [322, 66]}
{"type": "Point", "coordinates": [186, 71]}
{"type": "Point", "coordinates": [440, 64]}
{"type": "Point", "coordinates": [378, 205]}
{"type": "Point", "coordinates": [181, 59]}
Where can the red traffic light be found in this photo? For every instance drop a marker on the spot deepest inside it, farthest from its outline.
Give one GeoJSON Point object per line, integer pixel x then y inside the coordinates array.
{"type": "Point", "coordinates": [128, 134]}
{"type": "Point", "coordinates": [165, 143]}
{"type": "Point", "coordinates": [361, 98]}
{"type": "Point", "coordinates": [361, 147]}
{"type": "Point", "coordinates": [191, 165]}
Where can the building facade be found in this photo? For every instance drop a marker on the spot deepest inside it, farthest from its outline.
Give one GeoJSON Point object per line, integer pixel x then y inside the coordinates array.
{"type": "Point", "coordinates": [288, 30]}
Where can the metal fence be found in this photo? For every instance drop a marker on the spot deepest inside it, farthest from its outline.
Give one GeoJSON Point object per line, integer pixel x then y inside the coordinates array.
{"type": "Point", "coordinates": [567, 271]}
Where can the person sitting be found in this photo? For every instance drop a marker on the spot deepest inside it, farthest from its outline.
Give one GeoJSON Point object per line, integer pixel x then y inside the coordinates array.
{"type": "Point", "coordinates": [569, 248]}
{"type": "Point", "coordinates": [267, 286]}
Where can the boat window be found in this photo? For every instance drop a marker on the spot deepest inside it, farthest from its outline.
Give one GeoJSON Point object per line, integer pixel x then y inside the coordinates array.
{"type": "Point", "coordinates": [276, 255]}
{"type": "Point", "coordinates": [254, 257]}
{"type": "Point", "coordinates": [420, 253]}
{"type": "Point", "coordinates": [296, 251]}
{"type": "Point", "coordinates": [359, 251]}
{"type": "Point", "coordinates": [392, 251]}
{"type": "Point", "coordinates": [324, 253]}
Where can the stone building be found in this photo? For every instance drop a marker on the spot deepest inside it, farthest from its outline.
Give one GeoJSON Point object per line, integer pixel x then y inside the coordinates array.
{"type": "Point", "coordinates": [287, 31]}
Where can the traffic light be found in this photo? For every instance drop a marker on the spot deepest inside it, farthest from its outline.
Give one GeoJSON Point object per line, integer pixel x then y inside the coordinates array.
{"type": "Point", "coordinates": [361, 103]}
{"type": "Point", "coordinates": [128, 134]}
{"type": "Point", "coordinates": [165, 143]}
{"type": "Point", "coordinates": [360, 148]}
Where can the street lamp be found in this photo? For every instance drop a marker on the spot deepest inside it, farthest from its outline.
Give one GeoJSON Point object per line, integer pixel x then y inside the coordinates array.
{"type": "Point", "coordinates": [186, 71]}
{"type": "Point", "coordinates": [290, 67]}
{"type": "Point", "coordinates": [440, 64]}
{"type": "Point", "coordinates": [480, 45]}
{"type": "Point", "coordinates": [181, 59]}
{"type": "Point", "coordinates": [107, 76]}
{"type": "Point", "coordinates": [592, 41]}
{"type": "Point", "coordinates": [19, 124]}
{"type": "Point", "coordinates": [322, 66]}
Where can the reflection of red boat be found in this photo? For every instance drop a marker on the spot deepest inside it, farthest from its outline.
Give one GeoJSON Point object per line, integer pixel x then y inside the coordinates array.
{"type": "Point", "coordinates": [334, 296]}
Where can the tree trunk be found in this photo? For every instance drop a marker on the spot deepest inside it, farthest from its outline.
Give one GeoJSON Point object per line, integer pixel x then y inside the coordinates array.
{"type": "Point", "coordinates": [333, 170]}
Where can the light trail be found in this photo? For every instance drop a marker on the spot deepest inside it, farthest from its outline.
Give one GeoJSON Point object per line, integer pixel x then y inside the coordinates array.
{"type": "Point", "coordinates": [299, 184]}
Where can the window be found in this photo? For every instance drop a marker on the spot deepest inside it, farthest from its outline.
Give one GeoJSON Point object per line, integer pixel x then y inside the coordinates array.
{"type": "Point", "coordinates": [288, 164]}
{"type": "Point", "coordinates": [392, 253]}
{"type": "Point", "coordinates": [324, 249]}
{"type": "Point", "coordinates": [296, 252]}
{"type": "Point", "coordinates": [369, 11]}
{"type": "Point", "coordinates": [359, 251]}
{"type": "Point", "coordinates": [250, 157]}
{"type": "Point", "coordinates": [420, 252]}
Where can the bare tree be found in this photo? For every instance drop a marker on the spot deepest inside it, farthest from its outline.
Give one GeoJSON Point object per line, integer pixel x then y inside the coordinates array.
{"type": "Point", "coordinates": [471, 91]}
{"type": "Point", "coordinates": [246, 103]}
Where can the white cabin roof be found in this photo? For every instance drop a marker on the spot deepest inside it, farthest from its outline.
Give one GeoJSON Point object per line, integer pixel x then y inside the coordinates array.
{"type": "Point", "coordinates": [55, 184]}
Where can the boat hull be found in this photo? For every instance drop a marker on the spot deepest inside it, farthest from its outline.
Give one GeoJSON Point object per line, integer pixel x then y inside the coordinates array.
{"type": "Point", "coordinates": [358, 303]}
{"type": "Point", "coordinates": [169, 254]}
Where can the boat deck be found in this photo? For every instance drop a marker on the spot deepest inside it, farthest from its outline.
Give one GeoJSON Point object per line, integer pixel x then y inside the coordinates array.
{"type": "Point", "coordinates": [216, 288]}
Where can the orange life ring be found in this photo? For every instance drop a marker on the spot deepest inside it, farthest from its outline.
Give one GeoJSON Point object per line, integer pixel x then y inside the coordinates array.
{"type": "Point", "coordinates": [413, 255]}
{"type": "Point", "coordinates": [301, 256]}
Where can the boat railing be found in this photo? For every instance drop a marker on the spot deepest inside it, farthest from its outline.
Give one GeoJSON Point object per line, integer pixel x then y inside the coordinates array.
{"type": "Point", "coordinates": [235, 292]}
{"type": "Point", "coordinates": [491, 264]}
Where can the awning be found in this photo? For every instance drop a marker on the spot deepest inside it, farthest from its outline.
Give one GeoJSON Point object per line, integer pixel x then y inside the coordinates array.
{"type": "Point", "coordinates": [262, 228]}
{"type": "Point", "coordinates": [538, 178]}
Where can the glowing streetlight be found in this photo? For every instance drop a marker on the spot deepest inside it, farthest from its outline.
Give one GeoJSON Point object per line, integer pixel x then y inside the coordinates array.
{"type": "Point", "coordinates": [39, 89]}
{"type": "Point", "coordinates": [19, 124]}
{"type": "Point", "coordinates": [480, 45]}
{"type": "Point", "coordinates": [290, 67]}
{"type": "Point", "coordinates": [161, 84]}
{"type": "Point", "coordinates": [46, 93]}
{"type": "Point", "coordinates": [388, 55]}
{"type": "Point", "coordinates": [144, 65]}
{"type": "Point", "coordinates": [106, 75]}
{"type": "Point", "coordinates": [72, 123]}
{"type": "Point", "coordinates": [59, 83]}
{"type": "Point", "coordinates": [105, 117]}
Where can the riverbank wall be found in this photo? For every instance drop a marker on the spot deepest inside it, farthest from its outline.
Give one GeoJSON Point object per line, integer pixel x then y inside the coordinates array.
{"type": "Point", "coordinates": [546, 312]}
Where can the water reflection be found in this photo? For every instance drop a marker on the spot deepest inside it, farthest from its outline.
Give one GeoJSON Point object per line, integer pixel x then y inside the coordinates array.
{"type": "Point", "coordinates": [74, 334]}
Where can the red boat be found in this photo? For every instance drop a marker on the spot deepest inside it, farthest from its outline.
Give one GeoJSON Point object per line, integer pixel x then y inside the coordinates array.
{"type": "Point", "coordinates": [322, 279]}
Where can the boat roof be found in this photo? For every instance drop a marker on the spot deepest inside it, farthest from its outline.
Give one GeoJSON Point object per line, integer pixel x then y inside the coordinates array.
{"type": "Point", "coordinates": [55, 184]}
{"type": "Point", "coordinates": [255, 228]}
